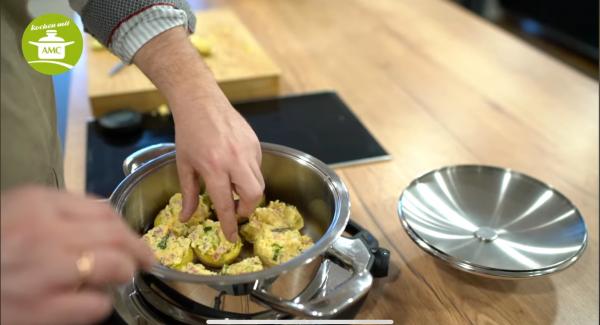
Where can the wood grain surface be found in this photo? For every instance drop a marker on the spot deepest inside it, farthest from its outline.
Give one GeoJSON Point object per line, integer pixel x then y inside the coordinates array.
{"type": "Point", "coordinates": [436, 86]}
{"type": "Point", "coordinates": [239, 64]}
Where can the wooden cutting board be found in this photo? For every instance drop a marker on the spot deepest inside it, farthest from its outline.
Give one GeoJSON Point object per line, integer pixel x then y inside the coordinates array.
{"type": "Point", "coordinates": [240, 65]}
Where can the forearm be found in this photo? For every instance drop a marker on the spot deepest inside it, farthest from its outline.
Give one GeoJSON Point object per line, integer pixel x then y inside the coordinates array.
{"type": "Point", "coordinates": [174, 66]}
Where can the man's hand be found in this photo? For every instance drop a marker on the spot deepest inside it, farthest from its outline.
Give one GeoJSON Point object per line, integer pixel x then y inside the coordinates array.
{"type": "Point", "coordinates": [44, 233]}
{"type": "Point", "coordinates": [213, 141]}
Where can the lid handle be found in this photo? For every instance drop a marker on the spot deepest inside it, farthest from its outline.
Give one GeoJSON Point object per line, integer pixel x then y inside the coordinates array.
{"type": "Point", "coordinates": [351, 252]}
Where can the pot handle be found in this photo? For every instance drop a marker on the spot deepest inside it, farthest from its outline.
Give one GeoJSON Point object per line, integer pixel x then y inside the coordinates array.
{"type": "Point", "coordinates": [144, 155]}
{"type": "Point", "coordinates": [353, 253]}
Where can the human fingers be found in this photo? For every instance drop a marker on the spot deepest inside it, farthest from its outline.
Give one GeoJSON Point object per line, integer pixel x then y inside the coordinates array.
{"type": "Point", "coordinates": [258, 153]}
{"type": "Point", "coordinates": [258, 175]}
{"type": "Point", "coordinates": [74, 207]}
{"type": "Point", "coordinates": [59, 270]}
{"type": "Point", "coordinates": [75, 307]}
{"type": "Point", "coordinates": [189, 189]}
{"type": "Point", "coordinates": [218, 187]}
{"type": "Point", "coordinates": [249, 139]}
{"type": "Point", "coordinates": [248, 188]}
{"type": "Point", "coordinates": [102, 267]}
{"type": "Point", "coordinates": [113, 234]}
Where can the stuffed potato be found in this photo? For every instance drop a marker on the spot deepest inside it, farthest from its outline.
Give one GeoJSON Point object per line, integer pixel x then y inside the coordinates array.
{"type": "Point", "coordinates": [170, 215]}
{"type": "Point", "coordinates": [247, 265]}
{"type": "Point", "coordinates": [211, 246]}
{"type": "Point", "coordinates": [195, 268]}
{"type": "Point", "coordinates": [202, 210]}
{"type": "Point", "coordinates": [275, 246]}
{"type": "Point", "coordinates": [276, 215]}
{"type": "Point", "coordinates": [170, 250]}
{"type": "Point", "coordinates": [199, 245]}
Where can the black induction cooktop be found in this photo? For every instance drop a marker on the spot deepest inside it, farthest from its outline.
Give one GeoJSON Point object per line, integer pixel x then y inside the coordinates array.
{"type": "Point", "coordinates": [319, 124]}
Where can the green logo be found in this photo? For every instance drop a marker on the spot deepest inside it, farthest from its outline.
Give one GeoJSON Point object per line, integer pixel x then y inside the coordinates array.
{"type": "Point", "coordinates": [52, 44]}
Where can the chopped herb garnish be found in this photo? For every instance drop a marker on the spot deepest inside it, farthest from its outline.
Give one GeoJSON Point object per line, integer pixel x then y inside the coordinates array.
{"type": "Point", "coordinates": [208, 228]}
{"type": "Point", "coordinates": [163, 242]}
{"type": "Point", "coordinates": [276, 251]}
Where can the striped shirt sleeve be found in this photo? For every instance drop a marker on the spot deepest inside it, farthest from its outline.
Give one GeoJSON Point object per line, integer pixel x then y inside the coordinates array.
{"type": "Point", "coordinates": [132, 34]}
{"type": "Point", "coordinates": [124, 26]}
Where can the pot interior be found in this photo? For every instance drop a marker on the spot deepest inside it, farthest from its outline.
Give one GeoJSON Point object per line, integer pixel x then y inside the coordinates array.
{"type": "Point", "coordinates": [291, 179]}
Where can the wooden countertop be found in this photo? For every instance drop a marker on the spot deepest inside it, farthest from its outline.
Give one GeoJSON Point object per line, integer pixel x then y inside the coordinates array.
{"type": "Point", "coordinates": [436, 86]}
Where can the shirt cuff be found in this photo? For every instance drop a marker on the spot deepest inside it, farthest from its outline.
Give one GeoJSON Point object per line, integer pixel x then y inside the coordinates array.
{"type": "Point", "coordinates": [132, 34]}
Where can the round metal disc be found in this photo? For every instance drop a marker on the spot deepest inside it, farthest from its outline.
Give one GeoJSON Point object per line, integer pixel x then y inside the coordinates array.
{"type": "Point", "coordinates": [492, 221]}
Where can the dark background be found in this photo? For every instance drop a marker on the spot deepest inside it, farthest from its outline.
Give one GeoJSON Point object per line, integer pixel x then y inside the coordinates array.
{"type": "Point", "coordinates": [567, 30]}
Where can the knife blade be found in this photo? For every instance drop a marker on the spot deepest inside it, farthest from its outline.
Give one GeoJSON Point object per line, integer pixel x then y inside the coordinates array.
{"type": "Point", "coordinates": [116, 68]}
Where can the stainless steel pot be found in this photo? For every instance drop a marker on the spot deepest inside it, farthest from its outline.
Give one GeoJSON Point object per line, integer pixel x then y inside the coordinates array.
{"type": "Point", "coordinates": [295, 287]}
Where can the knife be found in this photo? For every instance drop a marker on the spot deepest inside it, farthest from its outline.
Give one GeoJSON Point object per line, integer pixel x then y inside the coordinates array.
{"type": "Point", "coordinates": [116, 68]}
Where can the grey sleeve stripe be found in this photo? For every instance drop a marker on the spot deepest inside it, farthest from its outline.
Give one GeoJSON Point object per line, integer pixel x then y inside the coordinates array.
{"type": "Point", "coordinates": [102, 18]}
{"type": "Point", "coordinates": [138, 30]}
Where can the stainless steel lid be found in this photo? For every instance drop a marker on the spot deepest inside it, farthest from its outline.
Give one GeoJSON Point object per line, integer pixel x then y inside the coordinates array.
{"type": "Point", "coordinates": [492, 221]}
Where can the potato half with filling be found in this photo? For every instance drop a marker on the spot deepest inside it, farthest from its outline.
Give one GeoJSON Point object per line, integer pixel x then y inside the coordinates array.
{"type": "Point", "coordinates": [196, 268]}
{"type": "Point", "coordinates": [247, 265]}
{"type": "Point", "coordinates": [169, 216]}
{"type": "Point", "coordinates": [202, 210]}
{"type": "Point", "coordinates": [211, 246]}
{"type": "Point", "coordinates": [275, 246]}
{"type": "Point", "coordinates": [169, 249]}
{"type": "Point", "coordinates": [276, 215]}
{"type": "Point", "coordinates": [166, 218]}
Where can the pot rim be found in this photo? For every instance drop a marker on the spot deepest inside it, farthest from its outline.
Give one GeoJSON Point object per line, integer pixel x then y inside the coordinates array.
{"type": "Point", "coordinates": [340, 219]}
